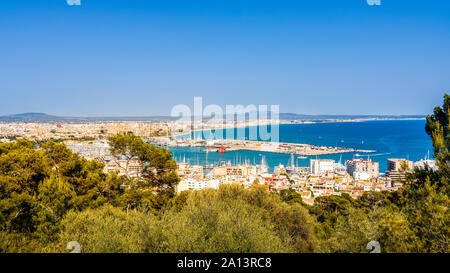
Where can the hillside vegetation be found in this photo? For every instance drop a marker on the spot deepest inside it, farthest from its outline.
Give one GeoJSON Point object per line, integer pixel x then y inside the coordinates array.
{"type": "Point", "coordinates": [50, 196]}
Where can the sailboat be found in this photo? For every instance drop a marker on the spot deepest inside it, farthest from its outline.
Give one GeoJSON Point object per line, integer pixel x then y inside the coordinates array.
{"type": "Point", "coordinates": [291, 161]}
{"type": "Point", "coordinates": [263, 167]}
{"type": "Point", "coordinates": [291, 164]}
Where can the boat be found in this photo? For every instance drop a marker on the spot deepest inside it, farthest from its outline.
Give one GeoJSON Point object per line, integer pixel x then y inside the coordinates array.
{"type": "Point", "coordinates": [302, 157]}
{"type": "Point", "coordinates": [222, 149]}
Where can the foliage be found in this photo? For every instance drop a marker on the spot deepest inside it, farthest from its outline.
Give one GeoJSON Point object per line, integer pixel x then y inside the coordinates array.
{"type": "Point", "coordinates": [159, 171]}
{"type": "Point", "coordinates": [209, 223]}
{"type": "Point", "coordinates": [437, 128]}
{"type": "Point", "coordinates": [290, 196]}
{"type": "Point", "coordinates": [230, 219]}
{"type": "Point", "coordinates": [106, 230]}
{"type": "Point", "coordinates": [19, 243]}
{"type": "Point", "coordinates": [50, 196]}
{"type": "Point", "coordinates": [38, 187]}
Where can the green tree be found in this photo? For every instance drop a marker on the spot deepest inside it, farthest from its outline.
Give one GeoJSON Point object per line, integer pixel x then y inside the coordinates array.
{"type": "Point", "coordinates": [54, 199]}
{"type": "Point", "coordinates": [107, 230]}
{"type": "Point", "coordinates": [37, 187]}
{"type": "Point", "coordinates": [426, 197]}
{"type": "Point", "coordinates": [159, 170]}
{"type": "Point", "coordinates": [209, 223]}
{"type": "Point", "coordinates": [427, 211]}
{"type": "Point", "coordinates": [126, 146]}
{"type": "Point", "coordinates": [290, 196]}
{"type": "Point", "coordinates": [386, 225]}
{"type": "Point", "coordinates": [292, 222]}
{"type": "Point", "coordinates": [92, 186]}
{"type": "Point", "coordinates": [11, 242]}
{"type": "Point", "coordinates": [437, 128]}
{"type": "Point", "coordinates": [22, 168]}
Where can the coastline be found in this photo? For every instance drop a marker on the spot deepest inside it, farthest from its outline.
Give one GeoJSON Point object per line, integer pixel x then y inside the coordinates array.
{"type": "Point", "coordinates": [290, 122]}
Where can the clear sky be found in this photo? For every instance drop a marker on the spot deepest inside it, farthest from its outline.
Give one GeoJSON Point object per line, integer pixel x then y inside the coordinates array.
{"type": "Point", "coordinates": [136, 57]}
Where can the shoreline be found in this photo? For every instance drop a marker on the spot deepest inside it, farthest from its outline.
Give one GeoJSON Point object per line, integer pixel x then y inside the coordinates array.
{"type": "Point", "coordinates": [224, 145]}
{"type": "Point", "coordinates": [290, 122]}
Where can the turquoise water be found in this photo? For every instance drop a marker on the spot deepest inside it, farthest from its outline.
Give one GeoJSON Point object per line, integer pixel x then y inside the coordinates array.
{"type": "Point", "coordinates": [390, 139]}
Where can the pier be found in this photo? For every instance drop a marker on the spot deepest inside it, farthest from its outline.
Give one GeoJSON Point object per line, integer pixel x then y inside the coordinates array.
{"type": "Point", "coordinates": [223, 146]}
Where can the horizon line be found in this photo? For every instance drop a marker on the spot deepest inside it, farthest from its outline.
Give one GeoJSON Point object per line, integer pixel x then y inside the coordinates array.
{"type": "Point", "coordinates": [31, 114]}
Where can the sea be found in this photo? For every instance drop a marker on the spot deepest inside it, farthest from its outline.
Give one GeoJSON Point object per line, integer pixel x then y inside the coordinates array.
{"type": "Point", "coordinates": [389, 138]}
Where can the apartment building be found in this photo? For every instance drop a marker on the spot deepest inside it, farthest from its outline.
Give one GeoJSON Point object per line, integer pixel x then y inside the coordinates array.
{"type": "Point", "coordinates": [362, 169]}
{"type": "Point", "coordinates": [321, 166]}
{"type": "Point", "coordinates": [241, 170]}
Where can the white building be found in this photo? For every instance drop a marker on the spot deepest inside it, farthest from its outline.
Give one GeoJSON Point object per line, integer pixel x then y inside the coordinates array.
{"type": "Point", "coordinates": [356, 167]}
{"type": "Point", "coordinates": [321, 166]}
{"type": "Point", "coordinates": [361, 175]}
{"type": "Point", "coordinates": [194, 184]}
{"type": "Point", "coordinates": [240, 170]}
{"type": "Point", "coordinates": [426, 162]}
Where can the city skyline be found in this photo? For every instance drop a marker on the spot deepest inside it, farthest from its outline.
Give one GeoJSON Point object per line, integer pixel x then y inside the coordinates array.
{"type": "Point", "coordinates": [135, 58]}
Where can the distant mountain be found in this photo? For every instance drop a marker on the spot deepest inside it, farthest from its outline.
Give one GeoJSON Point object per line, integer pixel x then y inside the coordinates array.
{"type": "Point", "coordinates": [42, 117]}
{"type": "Point", "coordinates": [31, 117]}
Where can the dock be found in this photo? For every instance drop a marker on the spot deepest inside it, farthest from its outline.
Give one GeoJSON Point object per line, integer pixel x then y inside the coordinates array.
{"type": "Point", "coordinates": [225, 145]}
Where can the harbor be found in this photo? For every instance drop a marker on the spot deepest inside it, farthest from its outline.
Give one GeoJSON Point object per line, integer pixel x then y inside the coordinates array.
{"type": "Point", "coordinates": [223, 146]}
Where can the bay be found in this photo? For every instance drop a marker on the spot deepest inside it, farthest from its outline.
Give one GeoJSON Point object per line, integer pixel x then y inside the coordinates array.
{"type": "Point", "coordinates": [390, 139]}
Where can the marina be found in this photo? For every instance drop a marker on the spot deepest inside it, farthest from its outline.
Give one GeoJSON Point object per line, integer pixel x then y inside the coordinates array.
{"type": "Point", "coordinates": [223, 146]}
{"type": "Point", "coordinates": [390, 139]}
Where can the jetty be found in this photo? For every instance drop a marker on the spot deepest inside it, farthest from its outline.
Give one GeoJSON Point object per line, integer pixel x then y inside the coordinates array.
{"type": "Point", "coordinates": [225, 145]}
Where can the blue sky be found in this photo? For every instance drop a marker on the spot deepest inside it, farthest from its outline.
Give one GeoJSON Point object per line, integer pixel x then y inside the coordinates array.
{"type": "Point", "coordinates": [136, 57]}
